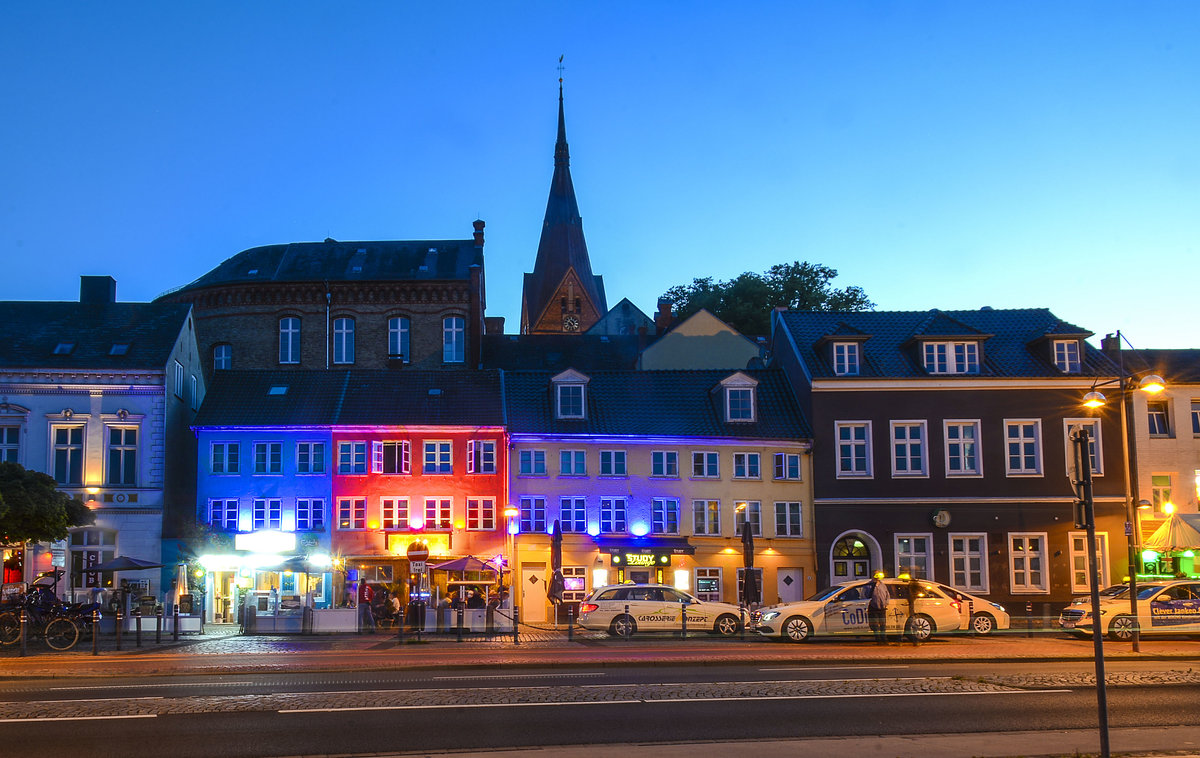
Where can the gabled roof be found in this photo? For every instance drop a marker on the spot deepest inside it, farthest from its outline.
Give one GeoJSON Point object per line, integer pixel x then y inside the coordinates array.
{"type": "Point", "coordinates": [555, 352]}
{"type": "Point", "coordinates": [1006, 337]}
{"type": "Point", "coordinates": [30, 332]}
{"type": "Point", "coordinates": [352, 398]}
{"type": "Point", "coordinates": [1174, 366]}
{"type": "Point", "coordinates": [335, 261]}
{"type": "Point", "coordinates": [624, 318]}
{"type": "Point", "coordinates": [655, 403]}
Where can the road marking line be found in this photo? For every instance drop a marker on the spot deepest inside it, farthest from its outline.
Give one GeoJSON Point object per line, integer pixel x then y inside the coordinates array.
{"type": "Point", "coordinates": [147, 686]}
{"type": "Point", "coordinates": [830, 668]}
{"type": "Point", "coordinates": [459, 705]}
{"type": "Point", "coordinates": [768, 681]}
{"type": "Point", "coordinates": [81, 718]}
{"type": "Point", "coordinates": [521, 676]}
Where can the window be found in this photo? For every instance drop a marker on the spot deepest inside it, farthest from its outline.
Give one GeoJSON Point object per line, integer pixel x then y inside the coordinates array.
{"type": "Point", "coordinates": [91, 547]}
{"type": "Point", "coordinates": [398, 334]}
{"type": "Point", "coordinates": [908, 448]}
{"type": "Point", "coordinates": [952, 357]}
{"type": "Point", "coordinates": [1160, 492]}
{"type": "Point", "coordinates": [968, 562]}
{"type": "Point", "coordinates": [310, 514]}
{"type": "Point", "coordinates": [268, 513]}
{"type": "Point", "coordinates": [1023, 443]}
{"type": "Point", "coordinates": [439, 513]}
{"type": "Point", "coordinates": [119, 348]}
{"type": "Point", "coordinates": [178, 380]}
{"type": "Point", "coordinates": [64, 348]}
{"type": "Point", "coordinates": [1096, 461]}
{"type": "Point", "coordinates": [225, 457]}
{"type": "Point", "coordinates": [1196, 418]}
{"type": "Point", "coordinates": [708, 583]}
{"type": "Point", "coordinates": [787, 466]}
{"type": "Point", "coordinates": [223, 514]}
{"type": "Point", "coordinates": [1066, 356]}
{"type": "Point", "coordinates": [390, 457]}
{"type": "Point", "coordinates": [394, 512]}
{"type": "Point", "coordinates": [706, 517]}
{"type": "Point", "coordinates": [706, 466]}
{"type": "Point", "coordinates": [573, 514]}
{"type": "Point", "coordinates": [222, 357]}
{"type": "Point", "coordinates": [788, 520]}
{"type": "Point", "coordinates": [352, 457]}
{"type": "Point", "coordinates": [343, 340]}
{"type": "Point", "coordinates": [1079, 561]}
{"type": "Point", "coordinates": [437, 458]}
{"type": "Point", "coordinates": [748, 510]}
{"type": "Point", "coordinates": [1156, 415]}
{"type": "Point", "coordinates": [570, 400]}
{"type": "Point", "coordinates": [572, 463]}
{"type": "Point", "coordinates": [10, 444]}
{"type": "Point", "coordinates": [745, 466]}
{"type": "Point", "coordinates": [289, 340]}
{"type": "Point", "coordinates": [268, 457]}
{"type": "Point", "coordinates": [740, 403]}
{"type": "Point", "coordinates": [612, 514]}
{"type": "Point", "coordinates": [612, 463]}
{"type": "Point", "coordinates": [845, 358]}
{"type": "Point", "coordinates": [741, 582]}
{"type": "Point", "coordinates": [481, 457]}
{"type": "Point", "coordinates": [454, 341]}
{"type": "Point", "coordinates": [575, 583]}
{"type": "Point", "coordinates": [532, 462]}
{"type": "Point", "coordinates": [1027, 561]}
{"type": "Point", "coordinates": [854, 446]}
{"type": "Point", "coordinates": [665, 515]}
{"type": "Point", "coordinates": [962, 449]}
{"type": "Point", "coordinates": [68, 455]}
{"type": "Point", "coordinates": [352, 513]}
{"type": "Point", "coordinates": [310, 458]}
{"type": "Point", "coordinates": [664, 463]}
{"type": "Point", "coordinates": [122, 456]}
{"type": "Point", "coordinates": [481, 514]}
{"type": "Point", "coordinates": [533, 514]}
{"type": "Point", "coordinates": [194, 392]}
{"type": "Point", "coordinates": [912, 555]}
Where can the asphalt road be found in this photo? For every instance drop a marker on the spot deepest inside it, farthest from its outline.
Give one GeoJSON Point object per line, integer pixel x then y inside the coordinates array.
{"type": "Point", "coordinates": [282, 714]}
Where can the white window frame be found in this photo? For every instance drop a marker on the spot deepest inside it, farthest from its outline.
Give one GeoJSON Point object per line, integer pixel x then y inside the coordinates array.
{"type": "Point", "coordinates": [1095, 449]}
{"type": "Point", "coordinates": [454, 339]}
{"type": "Point", "coordinates": [791, 527]}
{"type": "Point", "coordinates": [223, 514]}
{"type": "Point", "coordinates": [310, 458]}
{"type": "Point", "coordinates": [614, 515]}
{"type": "Point", "coordinates": [1196, 418]}
{"type": "Point", "coordinates": [481, 514]}
{"type": "Point", "coordinates": [747, 509]}
{"type": "Point", "coordinates": [788, 467]}
{"type": "Point", "coordinates": [706, 517]}
{"type": "Point", "coordinates": [10, 442]}
{"type": "Point", "coordinates": [343, 340]}
{"type": "Point", "coordinates": [566, 399]}
{"type": "Point", "coordinates": [976, 449]}
{"type": "Point", "coordinates": [222, 356]}
{"type": "Point", "coordinates": [1015, 423]}
{"type": "Point", "coordinates": [1161, 495]}
{"type": "Point", "coordinates": [399, 338]}
{"type": "Point", "coordinates": [289, 340]}
{"type": "Point", "coordinates": [123, 451]}
{"type": "Point", "coordinates": [393, 512]}
{"type": "Point", "coordinates": [1077, 549]}
{"type": "Point", "coordinates": [710, 464]}
{"type": "Point", "coordinates": [352, 458]}
{"type": "Point", "coordinates": [709, 572]}
{"type": "Point", "coordinates": [902, 449]}
{"type": "Point", "coordinates": [266, 513]}
{"type": "Point", "coordinates": [664, 515]}
{"type": "Point", "coordinates": [439, 458]}
{"type": "Point", "coordinates": [533, 514]}
{"type": "Point", "coordinates": [1026, 587]}
{"type": "Point", "coordinates": [351, 514]}
{"type": "Point", "coordinates": [75, 455]}
{"type": "Point", "coordinates": [749, 464]}
{"type": "Point", "coordinates": [400, 458]}
{"type": "Point", "coordinates": [572, 511]}
{"type": "Point", "coordinates": [310, 514]}
{"type": "Point", "coordinates": [272, 458]}
{"type": "Point", "coordinates": [1158, 418]}
{"type": "Point", "coordinates": [865, 444]}
{"type": "Point", "coordinates": [613, 463]}
{"type": "Point", "coordinates": [439, 513]}
{"type": "Point", "coordinates": [572, 463]}
{"type": "Point", "coordinates": [745, 413]}
{"type": "Point", "coordinates": [950, 357]}
{"type": "Point", "coordinates": [664, 464]}
{"type": "Point", "coordinates": [966, 555]}
{"type": "Point", "coordinates": [1067, 356]}
{"type": "Point", "coordinates": [229, 454]}
{"type": "Point", "coordinates": [481, 457]}
{"type": "Point", "coordinates": [179, 389]}
{"type": "Point", "coordinates": [846, 361]}
{"type": "Point", "coordinates": [914, 557]}
{"type": "Point", "coordinates": [531, 462]}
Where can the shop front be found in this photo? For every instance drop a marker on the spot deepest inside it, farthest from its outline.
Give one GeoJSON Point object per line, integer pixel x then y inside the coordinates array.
{"type": "Point", "coordinates": [656, 561]}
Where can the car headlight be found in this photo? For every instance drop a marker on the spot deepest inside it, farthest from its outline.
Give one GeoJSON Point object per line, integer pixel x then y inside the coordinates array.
{"type": "Point", "coordinates": [999, 607]}
{"type": "Point", "coordinates": [770, 615]}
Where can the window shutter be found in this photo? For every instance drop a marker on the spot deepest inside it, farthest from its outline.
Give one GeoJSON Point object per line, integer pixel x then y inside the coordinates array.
{"type": "Point", "coordinates": [471, 456]}
{"type": "Point", "coordinates": [405, 457]}
{"type": "Point", "coordinates": [376, 457]}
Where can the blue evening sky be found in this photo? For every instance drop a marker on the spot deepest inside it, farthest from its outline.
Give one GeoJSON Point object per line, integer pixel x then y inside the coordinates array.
{"type": "Point", "coordinates": [937, 154]}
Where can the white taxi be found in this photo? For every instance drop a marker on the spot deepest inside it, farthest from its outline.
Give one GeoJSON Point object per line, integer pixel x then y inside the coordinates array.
{"type": "Point", "coordinates": [1170, 607]}
{"type": "Point", "coordinates": [842, 609]}
{"type": "Point", "coordinates": [979, 615]}
{"type": "Point", "coordinates": [624, 609]}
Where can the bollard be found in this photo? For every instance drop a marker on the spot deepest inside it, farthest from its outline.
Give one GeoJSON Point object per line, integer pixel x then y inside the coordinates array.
{"type": "Point", "coordinates": [400, 625]}
{"type": "Point", "coordinates": [628, 626]}
{"type": "Point", "coordinates": [175, 623]}
{"type": "Point", "coordinates": [24, 623]}
{"type": "Point", "coordinates": [120, 621]}
{"type": "Point", "coordinates": [138, 623]}
{"type": "Point", "coordinates": [516, 624]}
{"type": "Point", "coordinates": [742, 620]}
{"type": "Point", "coordinates": [1029, 619]}
{"type": "Point", "coordinates": [158, 626]}
{"type": "Point", "coordinates": [96, 632]}
{"type": "Point", "coordinates": [459, 623]}
{"type": "Point", "coordinates": [683, 622]}
{"type": "Point", "coordinates": [570, 622]}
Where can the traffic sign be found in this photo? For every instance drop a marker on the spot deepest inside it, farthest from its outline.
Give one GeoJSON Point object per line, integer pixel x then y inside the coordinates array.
{"type": "Point", "coordinates": [418, 552]}
{"type": "Point", "coordinates": [416, 567]}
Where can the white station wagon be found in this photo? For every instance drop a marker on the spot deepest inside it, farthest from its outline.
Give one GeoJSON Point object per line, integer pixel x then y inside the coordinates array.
{"type": "Point", "coordinates": [842, 609]}
{"type": "Point", "coordinates": [624, 609]}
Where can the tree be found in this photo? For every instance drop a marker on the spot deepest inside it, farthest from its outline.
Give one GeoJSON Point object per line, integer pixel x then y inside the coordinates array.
{"type": "Point", "coordinates": [746, 302]}
{"type": "Point", "coordinates": [33, 510]}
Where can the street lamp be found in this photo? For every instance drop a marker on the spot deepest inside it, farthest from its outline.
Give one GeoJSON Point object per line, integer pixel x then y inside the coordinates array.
{"type": "Point", "coordinates": [1151, 384]}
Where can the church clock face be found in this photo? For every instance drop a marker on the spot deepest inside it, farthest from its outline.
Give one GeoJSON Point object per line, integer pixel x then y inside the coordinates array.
{"type": "Point", "coordinates": [570, 323]}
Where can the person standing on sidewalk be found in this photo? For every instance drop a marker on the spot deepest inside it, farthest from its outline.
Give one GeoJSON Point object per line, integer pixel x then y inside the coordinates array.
{"type": "Point", "coordinates": [366, 619]}
{"type": "Point", "coordinates": [878, 600]}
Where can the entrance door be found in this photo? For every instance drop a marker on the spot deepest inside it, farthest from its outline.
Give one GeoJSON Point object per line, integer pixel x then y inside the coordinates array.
{"type": "Point", "coordinates": [789, 585]}
{"type": "Point", "coordinates": [533, 594]}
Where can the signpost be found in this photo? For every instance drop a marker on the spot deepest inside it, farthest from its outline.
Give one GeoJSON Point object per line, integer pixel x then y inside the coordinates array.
{"type": "Point", "coordinates": [418, 553]}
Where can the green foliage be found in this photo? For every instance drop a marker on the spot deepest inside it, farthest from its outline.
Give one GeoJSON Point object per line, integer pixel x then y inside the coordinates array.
{"type": "Point", "coordinates": [33, 510]}
{"type": "Point", "coordinates": [746, 302]}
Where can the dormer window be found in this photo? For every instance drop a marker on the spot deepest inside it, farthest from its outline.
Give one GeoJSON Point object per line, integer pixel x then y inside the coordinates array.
{"type": "Point", "coordinates": [119, 348]}
{"type": "Point", "coordinates": [1066, 356]}
{"type": "Point", "coordinates": [845, 358]}
{"type": "Point", "coordinates": [64, 348]}
{"type": "Point", "coordinates": [952, 357]}
{"type": "Point", "coordinates": [738, 392]}
{"type": "Point", "coordinates": [570, 394]}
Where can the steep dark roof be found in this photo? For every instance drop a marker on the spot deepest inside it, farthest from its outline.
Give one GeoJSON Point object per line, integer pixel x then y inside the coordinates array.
{"type": "Point", "coordinates": [1012, 341]}
{"type": "Point", "coordinates": [1174, 366]}
{"type": "Point", "coordinates": [345, 262]}
{"type": "Point", "coordinates": [655, 403]}
{"type": "Point", "coordinates": [30, 332]}
{"type": "Point", "coordinates": [555, 352]}
{"type": "Point", "coordinates": [352, 398]}
{"type": "Point", "coordinates": [562, 245]}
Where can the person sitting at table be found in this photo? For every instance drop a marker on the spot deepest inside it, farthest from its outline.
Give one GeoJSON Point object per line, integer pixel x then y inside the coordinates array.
{"type": "Point", "coordinates": [475, 600]}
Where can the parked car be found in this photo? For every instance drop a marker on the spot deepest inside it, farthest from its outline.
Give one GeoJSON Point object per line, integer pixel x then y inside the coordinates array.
{"type": "Point", "coordinates": [624, 609]}
{"type": "Point", "coordinates": [979, 615]}
{"type": "Point", "coordinates": [1164, 607]}
{"type": "Point", "coordinates": [842, 609]}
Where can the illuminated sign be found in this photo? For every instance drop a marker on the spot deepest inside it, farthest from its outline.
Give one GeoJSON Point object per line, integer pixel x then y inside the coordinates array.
{"type": "Point", "coordinates": [640, 559]}
{"type": "Point", "coordinates": [438, 544]}
{"type": "Point", "coordinates": [265, 542]}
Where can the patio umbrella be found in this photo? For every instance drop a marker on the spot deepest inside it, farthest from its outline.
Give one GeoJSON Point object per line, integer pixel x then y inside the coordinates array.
{"type": "Point", "coordinates": [468, 563]}
{"type": "Point", "coordinates": [1174, 534]}
{"type": "Point", "coordinates": [749, 577]}
{"type": "Point", "coordinates": [123, 563]}
{"type": "Point", "coordinates": [554, 593]}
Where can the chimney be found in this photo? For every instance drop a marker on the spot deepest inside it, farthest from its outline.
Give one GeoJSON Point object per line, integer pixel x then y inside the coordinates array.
{"type": "Point", "coordinates": [663, 319]}
{"type": "Point", "coordinates": [493, 325]}
{"type": "Point", "coordinates": [1111, 345]}
{"type": "Point", "coordinates": [97, 290]}
{"type": "Point", "coordinates": [478, 232]}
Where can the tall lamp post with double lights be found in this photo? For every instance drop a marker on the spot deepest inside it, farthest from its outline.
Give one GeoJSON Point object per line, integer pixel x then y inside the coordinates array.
{"type": "Point", "coordinates": [1126, 383]}
{"type": "Point", "coordinates": [511, 514]}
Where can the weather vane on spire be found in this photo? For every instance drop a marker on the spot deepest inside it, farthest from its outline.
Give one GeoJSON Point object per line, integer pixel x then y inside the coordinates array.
{"type": "Point", "coordinates": [560, 68]}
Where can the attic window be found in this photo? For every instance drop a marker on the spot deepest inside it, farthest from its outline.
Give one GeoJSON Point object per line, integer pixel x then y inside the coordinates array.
{"type": "Point", "coordinates": [435, 392]}
{"type": "Point", "coordinates": [119, 348]}
{"type": "Point", "coordinates": [64, 348]}
{"type": "Point", "coordinates": [252, 272]}
{"type": "Point", "coordinates": [739, 403]}
{"type": "Point", "coordinates": [1066, 356]}
{"type": "Point", "coordinates": [356, 269]}
{"type": "Point", "coordinates": [570, 400]}
{"type": "Point", "coordinates": [362, 250]}
{"type": "Point", "coordinates": [278, 389]}
{"type": "Point", "coordinates": [845, 358]}
{"type": "Point", "coordinates": [952, 357]}
{"type": "Point", "coordinates": [433, 250]}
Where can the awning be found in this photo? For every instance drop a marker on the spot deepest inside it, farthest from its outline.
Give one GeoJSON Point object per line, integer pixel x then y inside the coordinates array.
{"type": "Point", "coordinates": [645, 545]}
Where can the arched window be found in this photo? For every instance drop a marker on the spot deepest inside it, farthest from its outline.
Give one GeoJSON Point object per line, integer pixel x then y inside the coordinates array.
{"type": "Point", "coordinates": [398, 338]}
{"type": "Point", "coordinates": [343, 340]}
{"type": "Point", "coordinates": [289, 339]}
{"type": "Point", "coordinates": [222, 356]}
{"type": "Point", "coordinates": [454, 339]}
{"type": "Point", "coordinates": [851, 559]}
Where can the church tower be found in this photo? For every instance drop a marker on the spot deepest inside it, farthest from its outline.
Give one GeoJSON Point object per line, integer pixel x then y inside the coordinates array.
{"type": "Point", "coordinates": [561, 296]}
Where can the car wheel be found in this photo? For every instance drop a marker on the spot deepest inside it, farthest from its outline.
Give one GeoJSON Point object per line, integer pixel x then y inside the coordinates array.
{"type": "Point", "coordinates": [983, 623]}
{"type": "Point", "coordinates": [919, 628]}
{"type": "Point", "coordinates": [727, 625]}
{"type": "Point", "coordinates": [1121, 628]}
{"type": "Point", "coordinates": [62, 634]}
{"type": "Point", "coordinates": [10, 628]}
{"type": "Point", "coordinates": [797, 629]}
{"type": "Point", "coordinates": [622, 626]}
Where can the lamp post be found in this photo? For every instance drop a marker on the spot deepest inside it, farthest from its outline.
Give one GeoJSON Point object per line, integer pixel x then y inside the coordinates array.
{"type": "Point", "coordinates": [511, 514]}
{"type": "Point", "coordinates": [1085, 516]}
{"type": "Point", "coordinates": [1151, 384]}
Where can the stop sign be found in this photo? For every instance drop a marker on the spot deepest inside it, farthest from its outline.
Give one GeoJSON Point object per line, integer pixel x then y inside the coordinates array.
{"type": "Point", "coordinates": [418, 551]}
